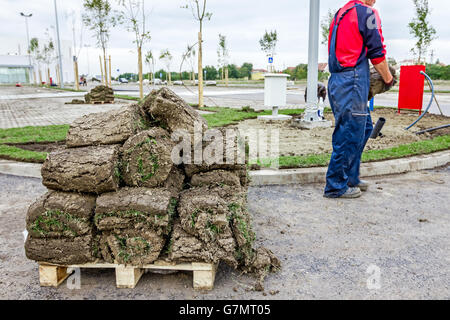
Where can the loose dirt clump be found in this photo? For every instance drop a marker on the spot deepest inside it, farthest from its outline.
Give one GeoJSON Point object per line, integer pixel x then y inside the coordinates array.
{"type": "Point", "coordinates": [121, 199]}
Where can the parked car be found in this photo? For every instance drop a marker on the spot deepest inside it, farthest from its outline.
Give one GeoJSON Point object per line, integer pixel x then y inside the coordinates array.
{"type": "Point", "coordinates": [207, 83]}
{"type": "Point", "coordinates": [178, 83]}
{"type": "Point", "coordinates": [158, 82]}
{"type": "Point", "coordinates": [123, 80]}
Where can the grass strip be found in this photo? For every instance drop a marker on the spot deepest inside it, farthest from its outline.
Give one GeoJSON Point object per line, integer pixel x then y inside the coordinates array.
{"type": "Point", "coordinates": [412, 149]}
{"type": "Point", "coordinates": [30, 134]}
{"type": "Point", "coordinates": [14, 153]}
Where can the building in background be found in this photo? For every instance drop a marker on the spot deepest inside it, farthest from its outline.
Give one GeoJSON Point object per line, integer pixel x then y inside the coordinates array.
{"type": "Point", "coordinates": [14, 69]}
{"type": "Point", "coordinates": [258, 74]}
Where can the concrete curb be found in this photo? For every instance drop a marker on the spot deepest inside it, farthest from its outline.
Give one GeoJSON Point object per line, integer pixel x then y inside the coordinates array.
{"type": "Point", "coordinates": [287, 176]}
{"type": "Point", "coordinates": [317, 175]}
{"type": "Point", "coordinates": [23, 169]}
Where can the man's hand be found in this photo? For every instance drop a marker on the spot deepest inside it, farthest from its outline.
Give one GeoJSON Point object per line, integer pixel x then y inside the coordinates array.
{"type": "Point", "coordinates": [388, 86]}
{"type": "Point", "coordinates": [383, 70]}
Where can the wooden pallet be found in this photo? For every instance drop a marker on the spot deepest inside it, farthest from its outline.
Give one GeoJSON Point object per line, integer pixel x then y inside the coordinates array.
{"type": "Point", "coordinates": [51, 275]}
{"type": "Point", "coordinates": [101, 102]}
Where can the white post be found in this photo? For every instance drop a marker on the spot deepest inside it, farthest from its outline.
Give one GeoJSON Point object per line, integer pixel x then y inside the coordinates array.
{"type": "Point", "coordinates": [311, 117]}
{"type": "Point", "coordinates": [59, 48]}
{"type": "Point", "coordinates": [313, 53]}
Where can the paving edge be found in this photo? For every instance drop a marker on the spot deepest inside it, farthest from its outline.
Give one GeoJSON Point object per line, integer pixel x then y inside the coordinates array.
{"type": "Point", "coordinates": [286, 176]}
{"type": "Point", "coordinates": [317, 175]}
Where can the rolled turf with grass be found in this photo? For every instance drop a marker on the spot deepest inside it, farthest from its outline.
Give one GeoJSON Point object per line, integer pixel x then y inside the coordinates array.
{"type": "Point", "coordinates": [61, 215]}
{"type": "Point", "coordinates": [110, 127]}
{"type": "Point", "coordinates": [146, 158]}
{"type": "Point", "coordinates": [88, 169]}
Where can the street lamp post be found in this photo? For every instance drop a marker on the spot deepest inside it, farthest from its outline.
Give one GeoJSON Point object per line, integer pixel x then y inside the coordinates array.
{"type": "Point", "coordinates": [59, 47]}
{"type": "Point", "coordinates": [26, 16]}
{"type": "Point", "coordinates": [313, 117]}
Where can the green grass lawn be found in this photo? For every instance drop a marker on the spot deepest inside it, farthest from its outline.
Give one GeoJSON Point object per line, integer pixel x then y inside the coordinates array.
{"type": "Point", "coordinates": [14, 153]}
{"type": "Point", "coordinates": [406, 150]}
{"type": "Point", "coordinates": [219, 117]}
{"type": "Point", "coordinates": [34, 134]}
{"type": "Point", "coordinates": [226, 116]}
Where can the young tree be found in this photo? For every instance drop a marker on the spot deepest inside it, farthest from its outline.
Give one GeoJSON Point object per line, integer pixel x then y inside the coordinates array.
{"type": "Point", "coordinates": [268, 44]}
{"type": "Point", "coordinates": [325, 25]}
{"type": "Point", "coordinates": [150, 61]}
{"type": "Point", "coordinates": [167, 57]}
{"type": "Point", "coordinates": [48, 54]}
{"type": "Point", "coordinates": [222, 54]}
{"type": "Point", "coordinates": [99, 18]}
{"type": "Point", "coordinates": [36, 56]}
{"type": "Point", "coordinates": [198, 8]}
{"type": "Point", "coordinates": [190, 56]}
{"type": "Point", "coordinates": [421, 29]}
{"type": "Point", "coordinates": [133, 16]}
{"type": "Point", "coordinates": [76, 46]}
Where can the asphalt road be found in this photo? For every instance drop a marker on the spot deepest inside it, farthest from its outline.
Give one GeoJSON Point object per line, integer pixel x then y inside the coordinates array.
{"type": "Point", "coordinates": [393, 243]}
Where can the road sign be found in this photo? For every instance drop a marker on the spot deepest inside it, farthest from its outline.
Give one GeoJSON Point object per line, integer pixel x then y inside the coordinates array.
{"type": "Point", "coordinates": [160, 75]}
{"type": "Point", "coordinates": [270, 59]}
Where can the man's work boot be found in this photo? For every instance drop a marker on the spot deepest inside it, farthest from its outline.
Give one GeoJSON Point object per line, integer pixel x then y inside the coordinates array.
{"type": "Point", "coordinates": [351, 193]}
{"type": "Point", "coordinates": [363, 185]}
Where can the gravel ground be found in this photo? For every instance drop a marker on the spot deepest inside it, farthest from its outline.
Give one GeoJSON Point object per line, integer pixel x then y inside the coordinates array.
{"type": "Point", "coordinates": [396, 235]}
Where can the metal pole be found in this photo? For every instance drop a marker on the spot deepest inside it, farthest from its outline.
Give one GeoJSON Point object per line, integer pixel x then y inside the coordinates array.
{"type": "Point", "coordinates": [26, 16]}
{"type": "Point", "coordinates": [59, 47]}
{"type": "Point", "coordinates": [313, 54]}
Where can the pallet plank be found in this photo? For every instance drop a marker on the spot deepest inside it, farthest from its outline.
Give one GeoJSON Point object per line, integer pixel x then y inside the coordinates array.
{"type": "Point", "coordinates": [128, 276]}
{"type": "Point", "coordinates": [52, 276]}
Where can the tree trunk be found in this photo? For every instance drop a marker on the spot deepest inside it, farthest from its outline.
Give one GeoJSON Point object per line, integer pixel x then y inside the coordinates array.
{"type": "Point", "coordinates": [77, 81]}
{"type": "Point", "coordinates": [34, 76]}
{"type": "Point", "coordinates": [40, 77]}
{"type": "Point", "coordinates": [57, 76]}
{"type": "Point", "coordinates": [101, 70]}
{"type": "Point", "coordinates": [104, 63]}
{"type": "Point", "coordinates": [200, 69]}
{"type": "Point", "coordinates": [48, 76]}
{"type": "Point", "coordinates": [141, 85]}
{"type": "Point", "coordinates": [110, 71]}
{"type": "Point", "coordinates": [170, 78]}
{"type": "Point", "coordinates": [226, 76]}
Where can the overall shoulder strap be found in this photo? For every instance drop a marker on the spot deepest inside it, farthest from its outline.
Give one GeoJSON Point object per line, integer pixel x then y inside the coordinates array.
{"type": "Point", "coordinates": [347, 11]}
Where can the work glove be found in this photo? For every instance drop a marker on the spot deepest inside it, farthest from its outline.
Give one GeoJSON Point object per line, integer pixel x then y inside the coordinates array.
{"type": "Point", "coordinates": [388, 86]}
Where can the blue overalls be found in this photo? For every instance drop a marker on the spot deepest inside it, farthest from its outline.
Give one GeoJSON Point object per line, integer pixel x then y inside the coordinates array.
{"type": "Point", "coordinates": [348, 89]}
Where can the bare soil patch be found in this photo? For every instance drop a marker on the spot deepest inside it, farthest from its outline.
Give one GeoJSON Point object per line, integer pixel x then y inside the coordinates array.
{"type": "Point", "coordinates": [40, 146]}
{"type": "Point", "coordinates": [297, 142]}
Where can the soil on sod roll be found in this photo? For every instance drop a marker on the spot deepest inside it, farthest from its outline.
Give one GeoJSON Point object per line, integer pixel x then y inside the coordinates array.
{"type": "Point", "coordinates": [377, 84]}
{"type": "Point", "coordinates": [130, 246]}
{"type": "Point", "coordinates": [111, 127]}
{"type": "Point", "coordinates": [172, 112]}
{"type": "Point", "coordinates": [63, 251]}
{"type": "Point", "coordinates": [85, 169]}
{"type": "Point", "coordinates": [136, 208]}
{"type": "Point", "coordinates": [146, 158]}
{"type": "Point", "coordinates": [61, 214]}
{"type": "Point", "coordinates": [100, 93]}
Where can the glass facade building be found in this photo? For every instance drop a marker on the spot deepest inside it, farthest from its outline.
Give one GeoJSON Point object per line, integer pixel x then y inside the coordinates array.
{"type": "Point", "coordinates": [14, 69]}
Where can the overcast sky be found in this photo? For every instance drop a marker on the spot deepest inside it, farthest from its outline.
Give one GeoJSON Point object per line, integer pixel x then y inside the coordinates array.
{"type": "Point", "coordinates": [242, 21]}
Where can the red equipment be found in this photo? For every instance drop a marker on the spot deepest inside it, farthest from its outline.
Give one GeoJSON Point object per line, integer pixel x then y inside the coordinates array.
{"type": "Point", "coordinates": [410, 95]}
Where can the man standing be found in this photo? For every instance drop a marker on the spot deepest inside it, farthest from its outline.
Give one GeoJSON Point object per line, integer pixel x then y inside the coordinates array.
{"type": "Point", "coordinates": [355, 37]}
